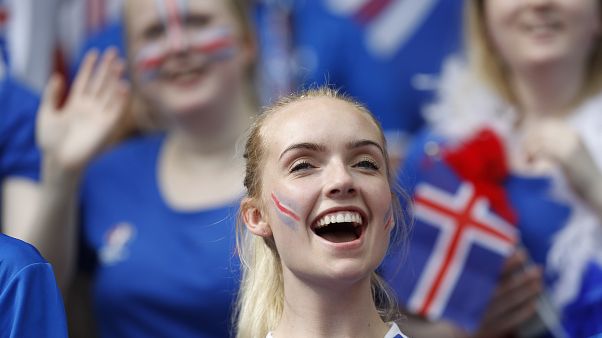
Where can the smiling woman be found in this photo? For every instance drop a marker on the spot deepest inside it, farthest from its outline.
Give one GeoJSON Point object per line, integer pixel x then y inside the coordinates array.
{"type": "Point", "coordinates": [158, 205]}
{"type": "Point", "coordinates": [316, 222]}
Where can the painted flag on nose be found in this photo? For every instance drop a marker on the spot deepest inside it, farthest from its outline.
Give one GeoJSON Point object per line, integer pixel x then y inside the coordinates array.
{"type": "Point", "coordinates": [456, 250]}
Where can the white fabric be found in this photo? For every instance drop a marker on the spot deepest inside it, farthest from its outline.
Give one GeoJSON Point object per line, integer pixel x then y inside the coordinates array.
{"type": "Point", "coordinates": [392, 333]}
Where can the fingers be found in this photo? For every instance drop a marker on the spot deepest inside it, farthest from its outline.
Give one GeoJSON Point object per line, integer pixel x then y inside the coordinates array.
{"type": "Point", "coordinates": [551, 139]}
{"type": "Point", "coordinates": [117, 100]}
{"type": "Point", "coordinates": [516, 261]}
{"type": "Point", "coordinates": [514, 301]}
{"type": "Point", "coordinates": [82, 79]}
{"type": "Point", "coordinates": [112, 83]}
{"type": "Point", "coordinates": [517, 291]}
{"type": "Point", "coordinates": [106, 72]}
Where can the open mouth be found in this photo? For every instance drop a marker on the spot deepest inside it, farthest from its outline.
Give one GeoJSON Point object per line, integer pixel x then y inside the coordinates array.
{"type": "Point", "coordinates": [339, 227]}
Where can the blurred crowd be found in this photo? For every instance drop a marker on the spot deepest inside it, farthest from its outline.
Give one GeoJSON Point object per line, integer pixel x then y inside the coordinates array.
{"type": "Point", "coordinates": [121, 124]}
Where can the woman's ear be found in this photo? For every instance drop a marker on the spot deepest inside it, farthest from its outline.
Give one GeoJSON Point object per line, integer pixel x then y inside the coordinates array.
{"type": "Point", "coordinates": [254, 218]}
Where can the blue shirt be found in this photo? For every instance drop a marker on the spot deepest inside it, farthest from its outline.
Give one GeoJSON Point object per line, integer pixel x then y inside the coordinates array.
{"type": "Point", "coordinates": [30, 302]}
{"type": "Point", "coordinates": [19, 156]}
{"type": "Point", "coordinates": [18, 106]}
{"type": "Point", "coordinates": [158, 272]}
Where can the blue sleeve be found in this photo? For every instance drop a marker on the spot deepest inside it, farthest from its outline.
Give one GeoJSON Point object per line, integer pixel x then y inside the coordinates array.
{"type": "Point", "coordinates": [19, 155]}
{"type": "Point", "coordinates": [31, 305]}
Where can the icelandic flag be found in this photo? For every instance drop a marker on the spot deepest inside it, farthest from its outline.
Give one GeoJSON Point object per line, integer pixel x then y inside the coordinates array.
{"type": "Point", "coordinates": [456, 249]}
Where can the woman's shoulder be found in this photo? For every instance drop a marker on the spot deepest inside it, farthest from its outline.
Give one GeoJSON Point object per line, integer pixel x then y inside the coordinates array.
{"type": "Point", "coordinates": [135, 152]}
{"type": "Point", "coordinates": [16, 256]}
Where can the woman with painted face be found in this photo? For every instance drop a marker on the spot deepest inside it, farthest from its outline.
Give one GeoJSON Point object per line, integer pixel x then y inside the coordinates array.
{"type": "Point", "coordinates": [527, 97]}
{"type": "Point", "coordinates": [319, 211]}
{"type": "Point", "coordinates": [155, 214]}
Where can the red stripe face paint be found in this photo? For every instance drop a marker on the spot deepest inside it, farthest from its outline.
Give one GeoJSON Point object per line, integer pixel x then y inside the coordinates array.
{"type": "Point", "coordinates": [204, 45]}
{"type": "Point", "coordinates": [287, 215]}
{"type": "Point", "coordinates": [173, 14]}
{"type": "Point", "coordinates": [389, 218]}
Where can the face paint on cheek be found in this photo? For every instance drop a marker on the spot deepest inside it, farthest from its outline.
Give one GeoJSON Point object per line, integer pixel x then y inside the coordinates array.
{"type": "Point", "coordinates": [388, 220]}
{"type": "Point", "coordinates": [149, 60]}
{"type": "Point", "coordinates": [286, 214]}
{"type": "Point", "coordinates": [215, 43]}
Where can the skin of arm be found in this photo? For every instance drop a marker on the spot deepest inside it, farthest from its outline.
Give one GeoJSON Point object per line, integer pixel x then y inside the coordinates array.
{"type": "Point", "coordinates": [19, 204]}
{"type": "Point", "coordinates": [70, 137]}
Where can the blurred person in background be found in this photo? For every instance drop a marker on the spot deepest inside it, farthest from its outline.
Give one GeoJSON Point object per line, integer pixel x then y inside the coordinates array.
{"type": "Point", "coordinates": [387, 54]}
{"type": "Point", "coordinates": [153, 217]}
{"type": "Point", "coordinates": [520, 119]}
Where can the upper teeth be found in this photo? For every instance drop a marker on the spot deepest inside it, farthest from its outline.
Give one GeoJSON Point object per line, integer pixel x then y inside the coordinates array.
{"type": "Point", "coordinates": [339, 217]}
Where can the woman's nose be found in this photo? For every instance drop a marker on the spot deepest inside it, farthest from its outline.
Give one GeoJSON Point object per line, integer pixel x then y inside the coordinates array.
{"type": "Point", "coordinates": [339, 182]}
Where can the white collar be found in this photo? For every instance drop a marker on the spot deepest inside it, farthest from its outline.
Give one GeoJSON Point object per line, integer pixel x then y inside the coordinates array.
{"type": "Point", "coordinates": [394, 332]}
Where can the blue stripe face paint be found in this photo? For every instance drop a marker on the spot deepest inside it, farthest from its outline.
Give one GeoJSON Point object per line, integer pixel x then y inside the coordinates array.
{"type": "Point", "coordinates": [286, 212]}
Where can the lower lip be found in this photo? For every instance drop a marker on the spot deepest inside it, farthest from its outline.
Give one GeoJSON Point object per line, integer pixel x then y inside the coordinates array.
{"type": "Point", "coordinates": [345, 246]}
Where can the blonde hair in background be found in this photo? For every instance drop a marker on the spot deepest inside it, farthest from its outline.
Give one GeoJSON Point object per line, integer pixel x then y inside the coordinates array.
{"type": "Point", "coordinates": [486, 61]}
{"type": "Point", "coordinates": [261, 296]}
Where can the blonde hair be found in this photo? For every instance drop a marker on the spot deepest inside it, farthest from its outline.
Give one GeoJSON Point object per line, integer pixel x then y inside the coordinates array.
{"type": "Point", "coordinates": [486, 62]}
{"type": "Point", "coordinates": [261, 297]}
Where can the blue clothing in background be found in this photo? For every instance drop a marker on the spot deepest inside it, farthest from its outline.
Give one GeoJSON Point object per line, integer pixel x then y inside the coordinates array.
{"type": "Point", "coordinates": [30, 302]}
{"type": "Point", "coordinates": [158, 272]}
{"type": "Point", "coordinates": [19, 155]}
{"type": "Point", "coordinates": [348, 48]}
{"type": "Point", "coordinates": [341, 48]}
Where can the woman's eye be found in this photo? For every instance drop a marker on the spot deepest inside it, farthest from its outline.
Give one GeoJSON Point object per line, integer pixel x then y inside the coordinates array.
{"type": "Point", "coordinates": [301, 166]}
{"type": "Point", "coordinates": [367, 164]}
{"type": "Point", "coordinates": [154, 31]}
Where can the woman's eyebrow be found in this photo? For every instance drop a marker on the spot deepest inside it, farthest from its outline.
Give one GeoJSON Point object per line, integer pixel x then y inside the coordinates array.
{"type": "Point", "coordinates": [364, 143]}
{"type": "Point", "coordinates": [305, 145]}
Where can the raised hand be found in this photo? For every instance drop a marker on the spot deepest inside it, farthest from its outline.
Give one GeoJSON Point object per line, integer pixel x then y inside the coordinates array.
{"type": "Point", "coordinates": [72, 135]}
{"type": "Point", "coordinates": [555, 141]}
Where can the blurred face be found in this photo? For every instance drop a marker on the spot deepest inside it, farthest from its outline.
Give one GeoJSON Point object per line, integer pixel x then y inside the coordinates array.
{"type": "Point", "coordinates": [325, 190]}
{"type": "Point", "coordinates": [186, 56]}
{"type": "Point", "coordinates": [542, 32]}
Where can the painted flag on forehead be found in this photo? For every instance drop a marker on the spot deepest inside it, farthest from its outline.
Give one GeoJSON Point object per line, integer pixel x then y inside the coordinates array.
{"type": "Point", "coordinates": [458, 244]}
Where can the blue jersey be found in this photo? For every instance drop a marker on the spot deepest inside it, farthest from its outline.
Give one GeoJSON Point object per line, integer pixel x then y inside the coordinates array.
{"type": "Point", "coordinates": [18, 153]}
{"type": "Point", "coordinates": [158, 272]}
{"type": "Point", "coordinates": [19, 156]}
{"type": "Point", "coordinates": [30, 302]}
{"type": "Point", "coordinates": [384, 53]}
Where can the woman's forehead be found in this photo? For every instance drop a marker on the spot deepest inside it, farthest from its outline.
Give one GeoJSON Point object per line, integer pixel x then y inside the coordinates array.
{"type": "Point", "coordinates": [140, 13]}
{"type": "Point", "coordinates": [319, 119]}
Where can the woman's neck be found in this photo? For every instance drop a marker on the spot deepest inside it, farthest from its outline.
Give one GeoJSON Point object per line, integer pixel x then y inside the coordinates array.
{"type": "Point", "coordinates": [313, 310]}
{"type": "Point", "coordinates": [198, 141]}
{"type": "Point", "coordinates": [548, 91]}
{"type": "Point", "coordinates": [197, 171]}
